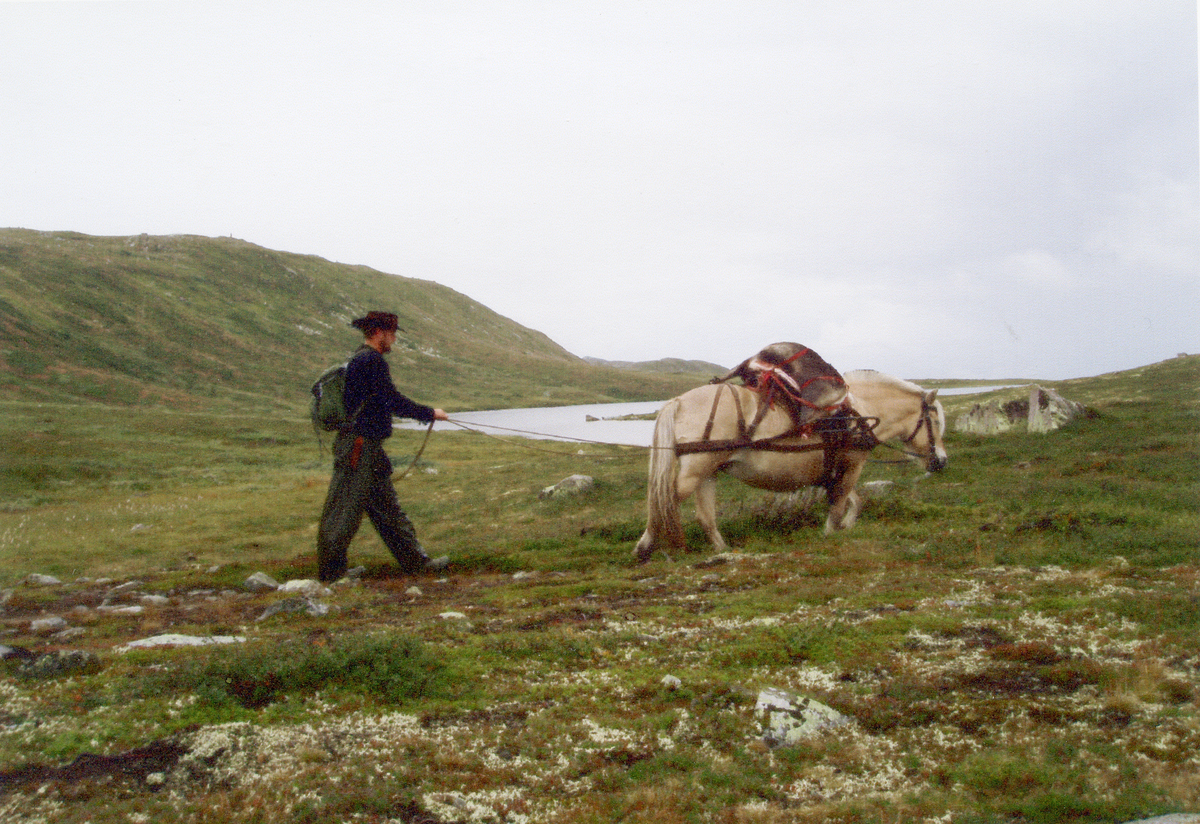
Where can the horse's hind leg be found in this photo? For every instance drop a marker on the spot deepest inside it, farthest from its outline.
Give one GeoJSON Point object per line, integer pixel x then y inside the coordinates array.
{"type": "Point", "coordinates": [645, 547]}
{"type": "Point", "coordinates": [706, 512]}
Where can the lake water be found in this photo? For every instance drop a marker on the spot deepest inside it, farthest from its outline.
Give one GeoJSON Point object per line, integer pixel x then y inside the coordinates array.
{"type": "Point", "coordinates": [559, 423]}
{"type": "Point", "coordinates": [570, 423]}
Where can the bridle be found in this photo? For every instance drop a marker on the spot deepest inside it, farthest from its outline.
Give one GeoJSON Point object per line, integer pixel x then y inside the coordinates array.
{"type": "Point", "coordinates": [924, 421]}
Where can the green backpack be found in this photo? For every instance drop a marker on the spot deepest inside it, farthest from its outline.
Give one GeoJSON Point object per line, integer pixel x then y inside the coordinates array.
{"type": "Point", "coordinates": [328, 407]}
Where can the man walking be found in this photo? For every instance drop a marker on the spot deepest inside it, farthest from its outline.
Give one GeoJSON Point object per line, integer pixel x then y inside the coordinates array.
{"type": "Point", "coordinates": [362, 473]}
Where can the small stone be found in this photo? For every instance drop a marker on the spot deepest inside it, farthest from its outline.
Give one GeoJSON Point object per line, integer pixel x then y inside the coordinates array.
{"type": "Point", "coordinates": [261, 582]}
{"type": "Point", "coordinates": [572, 485]}
{"type": "Point", "coordinates": [47, 626]}
{"type": "Point", "coordinates": [39, 580]}
{"type": "Point", "coordinates": [305, 586]}
{"type": "Point", "coordinates": [877, 489]}
{"type": "Point", "coordinates": [15, 654]}
{"type": "Point", "coordinates": [414, 592]}
{"type": "Point", "coordinates": [155, 600]}
{"type": "Point", "coordinates": [671, 682]}
{"type": "Point", "coordinates": [315, 609]}
{"type": "Point", "coordinates": [136, 609]}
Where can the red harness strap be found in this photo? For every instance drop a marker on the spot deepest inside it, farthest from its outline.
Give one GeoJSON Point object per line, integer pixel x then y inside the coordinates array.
{"type": "Point", "coordinates": [773, 377]}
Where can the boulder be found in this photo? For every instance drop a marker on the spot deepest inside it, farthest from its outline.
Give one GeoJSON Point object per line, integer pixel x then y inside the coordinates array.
{"type": "Point", "coordinates": [176, 640]}
{"type": "Point", "coordinates": [1041, 410]}
{"type": "Point", "coordinates": [788, 719]}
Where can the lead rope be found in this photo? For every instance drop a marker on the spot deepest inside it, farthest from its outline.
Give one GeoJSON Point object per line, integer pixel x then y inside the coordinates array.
{"type": "Point", "coordinates": [398, 476]}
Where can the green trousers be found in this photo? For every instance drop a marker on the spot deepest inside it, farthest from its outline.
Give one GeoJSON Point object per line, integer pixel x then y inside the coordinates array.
{"type": "Point", "coordinates": [362, 485]}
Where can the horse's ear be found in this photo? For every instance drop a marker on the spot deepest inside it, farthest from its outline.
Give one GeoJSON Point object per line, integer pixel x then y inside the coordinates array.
{"type": "Point", "coordinates": [931, 396]}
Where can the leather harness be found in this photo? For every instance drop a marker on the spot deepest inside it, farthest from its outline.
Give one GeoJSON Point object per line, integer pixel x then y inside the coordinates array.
{"type": "Point", "coordinates": [841, 431]}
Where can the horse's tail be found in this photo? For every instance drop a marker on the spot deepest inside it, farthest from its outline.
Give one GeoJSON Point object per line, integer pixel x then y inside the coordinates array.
{"type": "Point", "coordinates": [663, 521]}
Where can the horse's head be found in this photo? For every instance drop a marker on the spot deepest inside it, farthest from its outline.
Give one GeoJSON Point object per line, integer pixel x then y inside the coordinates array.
{"type": "Point", "coordinates": [905, 412]}
{"type": "Point", "coordinates": [931, 427]}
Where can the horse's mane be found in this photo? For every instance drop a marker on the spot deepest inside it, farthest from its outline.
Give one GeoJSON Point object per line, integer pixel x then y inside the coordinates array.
{"type": "Point", "coordinates": [873, 376]}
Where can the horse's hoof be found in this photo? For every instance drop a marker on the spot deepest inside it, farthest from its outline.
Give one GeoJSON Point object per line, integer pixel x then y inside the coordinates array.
{"type": "Point", "coordinates": [642, 554]}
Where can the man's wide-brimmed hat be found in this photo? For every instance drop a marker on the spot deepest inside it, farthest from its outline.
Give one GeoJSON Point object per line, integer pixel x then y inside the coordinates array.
{"type": "Point", "coordinates": [386, 321]}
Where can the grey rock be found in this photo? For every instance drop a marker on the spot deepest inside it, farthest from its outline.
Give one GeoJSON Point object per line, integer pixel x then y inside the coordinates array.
{"type": "Point", "coordinates": [261, 582]}
{"type": "Point", "coordinates": [133, 609]}
{"type": "Point", "coordinates": [877, 489]}
{"type": "Point", "coordinates": [309, 587]}
{"type": "Point", "coordinates": [315, 609]}
{"type": "Point", "coordinates": [38, 580]}
{"type": "Point", "coordinates": [15, 654]}
{"type": "Point", "coordinates": [174, 640]}
{"type": "Point", "coordinates": [788, 719]}
{"type": "Point", "coordinates": [1041, 410]}
{"type": "Point", "coordinates": [47, 626]}
{"type": "Point", "coordinates": [121, 589]}
{"type": "Point", "coordinates": [571, 485]}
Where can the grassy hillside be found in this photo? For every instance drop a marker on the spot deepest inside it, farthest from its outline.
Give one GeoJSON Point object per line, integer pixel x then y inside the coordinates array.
{"type": "Point", "coordinates": [665, 365]}
{"type": "Point", "coordinates": [216, 323]}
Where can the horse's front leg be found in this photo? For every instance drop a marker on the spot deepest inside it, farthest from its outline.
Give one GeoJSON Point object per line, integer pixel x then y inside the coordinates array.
{"type": "Point", "coordinates": [706, 512]}
{"type": "Point", "coordinates": [844, 502]}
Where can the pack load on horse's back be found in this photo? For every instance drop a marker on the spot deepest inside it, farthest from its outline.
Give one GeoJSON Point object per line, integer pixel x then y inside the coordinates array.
{"type": "Point", "coordinates": [794, 375]}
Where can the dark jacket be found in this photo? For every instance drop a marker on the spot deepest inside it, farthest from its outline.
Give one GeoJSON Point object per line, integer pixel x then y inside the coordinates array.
{"type": "Point", "coordinates": [369, 381]}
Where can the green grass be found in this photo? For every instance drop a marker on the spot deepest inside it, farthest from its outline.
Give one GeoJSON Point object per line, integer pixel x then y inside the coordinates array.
{"type": "Point", "coordinates": [1014, 639]}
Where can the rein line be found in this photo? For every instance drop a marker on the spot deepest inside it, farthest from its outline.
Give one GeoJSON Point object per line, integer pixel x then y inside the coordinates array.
{"type": "Point", "coordinates": [463, 425]}
{"type": "Point", "coordinates": [865, 424]}
{"type": "Point", "coordinates": [417, 457]}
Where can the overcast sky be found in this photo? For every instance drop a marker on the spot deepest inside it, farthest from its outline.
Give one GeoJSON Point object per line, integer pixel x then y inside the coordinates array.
{"type": "Point", "coordinates": [968, 188]}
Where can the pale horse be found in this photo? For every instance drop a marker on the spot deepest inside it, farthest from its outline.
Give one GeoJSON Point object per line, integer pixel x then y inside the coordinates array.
{"type": "Point", "coordinates": [701, 433]}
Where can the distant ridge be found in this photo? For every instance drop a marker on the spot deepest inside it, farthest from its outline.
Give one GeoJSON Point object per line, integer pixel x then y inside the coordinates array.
{"type": "Point", "coordinates": [190, 322]}
{"type": "Point", "coordinates": [674, 365]}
